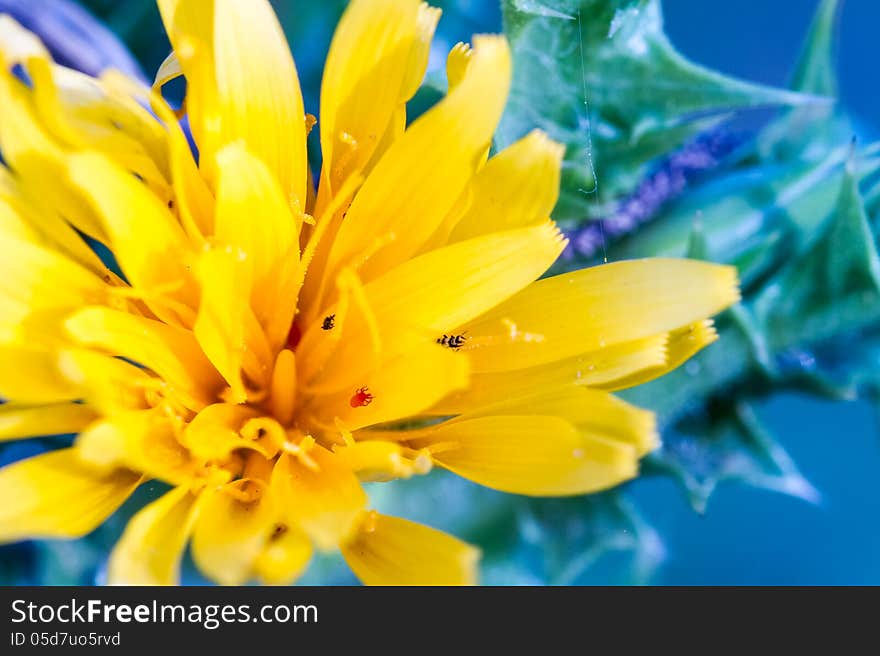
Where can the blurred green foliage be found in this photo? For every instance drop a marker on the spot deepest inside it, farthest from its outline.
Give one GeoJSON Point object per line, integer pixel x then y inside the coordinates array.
{"type": "Point", "coordinates": [795, 210]}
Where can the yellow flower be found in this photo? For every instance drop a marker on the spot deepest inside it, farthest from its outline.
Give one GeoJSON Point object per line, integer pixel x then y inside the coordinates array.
{"type": "Point", "coordinates": [263, 348]}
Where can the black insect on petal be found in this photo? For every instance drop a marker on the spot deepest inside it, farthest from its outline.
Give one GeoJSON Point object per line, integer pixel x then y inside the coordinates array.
{"type": "Point", "coordinates": [452, 341]}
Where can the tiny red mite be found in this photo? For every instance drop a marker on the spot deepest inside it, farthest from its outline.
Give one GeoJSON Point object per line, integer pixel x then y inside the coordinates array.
{"type": "Point", "coordinates": [361, 398]}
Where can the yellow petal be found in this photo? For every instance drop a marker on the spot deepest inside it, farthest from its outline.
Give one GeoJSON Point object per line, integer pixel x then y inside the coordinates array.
{"type": "Point", "coordinates": [394, 551]}
{"type": "Point", "coordinates": [241, 84]}
{"type": "Point", "coordinates": [17, 421]}
{"type": "Point", "coordinates": [324, 502]}
{"type": "Point", "coordinates": [173, 353]}
{"type": "Point", "coordinates": [400, 388]}
{"type": "Point", "coordinates": [230, 534]}
{"type": "Point", "coordinates": [83, 113]}
{"type": "Point", "coordinates": [214, 433]}
{"type": "Point", "coordinates": [254, 216]}
{"type": "Point", "coordinates": [189, 26]}
{"type": "Point", "coordinates": [377, 460]}
{"type": "Point", "coordinates": [457, 62]}
{"type": "Point", "coordinates": [150, 245]}
{"type": "Point", "coordinates": [192, 198]}
{"type": "Point", "coordinates": [535, 455]}
{"type": "Point", "coordinates": [220, 323]}
{"type": "Point", "coordinates": [444, 288]}
{"type": "Point", "coordinates": [282, 394]}
{"type": "Point", "coordinates": [682, 345]}
{"type": "Point", "coordinates": [433, 162]}
{"type": "Point", "coordinates": [169, 69]}
{"type": "Point", "coordinates": [34, 278]}
{"type": "Point", "coordinates": [23, 221]}
{"type": "Point", "coordinates": [252, 212]}
{"type": "Point", "coordinates": [689, 340]}
{"type": "Point", "coordinates": [608, 368]}
{"type": "Point", "coordinates": [283, 558]}
{"type": "Point", "coordinates": [150, 549]}
{"type": "Point", "coordinates": [12, 219]}
{"type": "Point", "coordinates": [518, 187]}
{"type": "Point", "coordinates": [109, 384]}
{"type": "Point", "coordinates": [31, 375]}
{"type": "Point", "coordinates": [432, 293]}
{"type": "Point", "coordinates": [56, 495]}
{"type": "Point", "coordinates": [353, 320]}
{"type": "Point", "coordinates": [140, 440]}
{"type": "Point", "coordinates": [427, 20]}
{"type": "Point", "coordinates": [593, 412]}
{"type": "Point", "coordinates": [376, 60]}
{"type": "Point", "coordinates": [36, 157]}
{"type": "Point", "coordinates": [586, 310]}
{"type": "Point", "coordinates": [80, 113]}
{"type": "Point", "coordinates": [612, 368]}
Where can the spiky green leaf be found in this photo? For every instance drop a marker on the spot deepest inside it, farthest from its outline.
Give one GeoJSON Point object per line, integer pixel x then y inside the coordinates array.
{"type": "Point", "coordinates": [729, 445]}
{"type": "Point", "coordinates": [602, 77]}
{"type": "Point", "coordinates": [833, 287]}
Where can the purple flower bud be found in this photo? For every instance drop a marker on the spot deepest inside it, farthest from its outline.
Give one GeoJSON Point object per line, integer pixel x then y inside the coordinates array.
{"type": "Point", "coordinates": [667, 183]}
